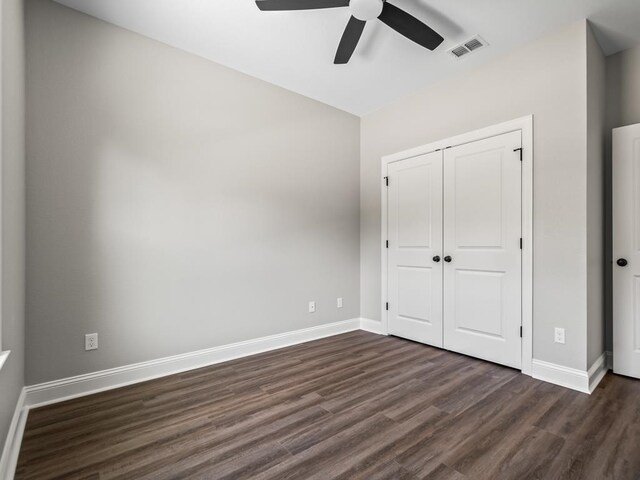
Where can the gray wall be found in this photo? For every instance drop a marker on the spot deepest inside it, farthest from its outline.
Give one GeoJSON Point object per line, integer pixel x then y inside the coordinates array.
{"type": "Point", "coordinates": [174, 204]}
{"type": "Point", "coordinates": [13, 134]}
{"type": "Point", "coordinates": [623, 108]}
{"type": "Point", "coordinates": [546, 79]}
{"type": "Point", "coordinates": [596, 131]}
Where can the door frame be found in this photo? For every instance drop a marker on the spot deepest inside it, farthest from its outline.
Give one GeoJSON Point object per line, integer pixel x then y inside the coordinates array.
{"type": "Point", "coordinates": [525, 125]}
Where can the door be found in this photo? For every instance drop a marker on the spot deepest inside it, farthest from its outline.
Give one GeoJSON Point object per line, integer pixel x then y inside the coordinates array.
{"type": "Point", "coordinates": [626, 251]}
{"type": "Point", "coordinates": [482, 249]}
{"type": "Point", "coordinates": [414, 226]}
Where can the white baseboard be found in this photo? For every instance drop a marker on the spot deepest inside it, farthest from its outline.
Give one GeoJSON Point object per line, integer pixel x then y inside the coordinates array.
{"type": "Point", "coordinates": [372, 326]}
{"type": "Point", "coordinates": [580, 380]}
{"type": "Point", "coordinates": [78, 386]}
{"type": "Point", "coordinates": [597, 371]}
{"type": "Point", "coordinates": [11, 450]}
{"type": "Point", "coordinates": [560, 375]}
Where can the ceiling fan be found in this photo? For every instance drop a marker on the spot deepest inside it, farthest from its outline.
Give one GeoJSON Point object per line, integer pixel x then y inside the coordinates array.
{"type": "Point", "coordinates": [361, 12]}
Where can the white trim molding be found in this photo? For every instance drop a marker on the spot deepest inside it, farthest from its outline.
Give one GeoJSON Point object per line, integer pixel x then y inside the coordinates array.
{"type": "Point", "coordinates": [372, 326]}
{"type": "Point", "coordinates": [11, 450]}
{"type": "Point", "coordinates": [559, 375]}
{"type": "Point", "coordinates": [524, 125]}
{"type": "Point", "coordinates": [597, 371]}
{"type": "Point", "coordinates": [81, 385]}
{"type": "Point", "coordinates": [580, 380]}
{"type": "Point", "coordinates": [3, 357]}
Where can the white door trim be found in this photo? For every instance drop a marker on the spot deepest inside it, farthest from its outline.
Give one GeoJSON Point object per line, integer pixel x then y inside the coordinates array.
{"type": "Point", "coordinates": [525, 125]}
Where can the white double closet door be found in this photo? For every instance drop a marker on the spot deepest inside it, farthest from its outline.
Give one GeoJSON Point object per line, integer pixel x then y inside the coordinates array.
{"type": "Point", "coordinates": [454, 249]}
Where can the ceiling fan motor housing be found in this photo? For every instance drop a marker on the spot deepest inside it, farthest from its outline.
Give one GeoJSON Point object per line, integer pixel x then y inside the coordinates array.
{"type": "Point", "coordinates": [361, 12]}
{"type": "Point", "coordinates": [366, 9]}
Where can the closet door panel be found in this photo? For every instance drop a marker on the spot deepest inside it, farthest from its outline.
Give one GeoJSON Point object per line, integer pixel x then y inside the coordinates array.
{"type": "Point", "coordinates": [415, 239]}
{"type": "Point", "coordinates": [482, 230]}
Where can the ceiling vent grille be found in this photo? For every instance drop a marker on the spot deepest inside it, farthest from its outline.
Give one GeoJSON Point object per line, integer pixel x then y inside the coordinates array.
{"type": "Point", "coordinates": [467, 47]}
{"type": "Point", "coordinates": [460, 51]}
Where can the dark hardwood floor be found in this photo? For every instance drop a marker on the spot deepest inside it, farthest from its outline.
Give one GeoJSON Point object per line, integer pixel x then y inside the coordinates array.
{"type": "Point", "coordinates": [354, 406]}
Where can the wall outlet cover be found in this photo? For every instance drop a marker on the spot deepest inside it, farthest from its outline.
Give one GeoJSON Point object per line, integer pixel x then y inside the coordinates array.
{"type": "Point", "coordinates": [91, 341]}
{"type": "Point", "coordinates": [559, 335]}
{"type": "Point", "coordinates": [312, 307]}
{"type": "Point", "coordinates": [339, 302]}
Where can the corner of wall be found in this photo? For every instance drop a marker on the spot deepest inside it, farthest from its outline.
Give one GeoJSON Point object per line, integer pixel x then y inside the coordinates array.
{"type": "Point", "coordinates": [595, 196]}
{"type": "Point", "coordinates": [12, 189]}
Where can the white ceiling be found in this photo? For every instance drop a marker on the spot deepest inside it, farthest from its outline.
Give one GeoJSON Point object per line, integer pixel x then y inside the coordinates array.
{"type": "Point", "coordinates": [295, 49]}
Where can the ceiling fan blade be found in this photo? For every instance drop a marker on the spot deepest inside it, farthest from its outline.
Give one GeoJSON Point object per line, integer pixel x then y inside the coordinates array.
{"type": "Point", "coordinates": [410, 27]}
{"type": "Point", "coordinates": [278, 5]}
{"type": "Point", "coordinates": [349, 41]}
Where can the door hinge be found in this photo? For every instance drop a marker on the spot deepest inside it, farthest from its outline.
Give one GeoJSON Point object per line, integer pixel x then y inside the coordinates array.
{"type": "Point", "coordinates": [387, 243]}
{"type": "Point", "coordinates": [519, 150]}
{"type": "Point", "coordinates": [520, 243]}
{"type": "Point", "coordinates": [520, 332]}
{"type": "Point", "coordinates": [387, 306]}
{"type": "Point", "coordinates": [386, 181]}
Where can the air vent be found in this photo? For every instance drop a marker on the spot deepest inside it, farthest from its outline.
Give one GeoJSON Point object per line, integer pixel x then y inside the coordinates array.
{"type": "Point", "coordinates": [474, 44]}
{"type": "Point", "coordinates": [460, 51]}
{"type": "Point", "coordinates": [467, 47]}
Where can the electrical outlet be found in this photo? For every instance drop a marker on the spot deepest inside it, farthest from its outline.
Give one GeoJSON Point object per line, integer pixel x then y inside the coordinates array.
{"type": "Point", "coordinates": [559, 335]}
{"type": "Point", "coordinates": [91, 341]}
{"type": "Point", "coordinates": [339, 302]}
{"type": "Point", "coordinates": [312, 307]}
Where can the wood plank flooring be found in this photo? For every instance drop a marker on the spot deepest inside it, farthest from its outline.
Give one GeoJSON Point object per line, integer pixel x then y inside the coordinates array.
{"type": "Point", "coordinates": [353, 406]}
